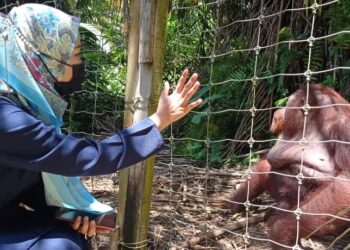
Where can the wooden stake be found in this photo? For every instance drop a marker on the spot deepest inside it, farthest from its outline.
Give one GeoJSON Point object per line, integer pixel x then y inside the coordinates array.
{"type": "Point", "coordinates": [148, 20]}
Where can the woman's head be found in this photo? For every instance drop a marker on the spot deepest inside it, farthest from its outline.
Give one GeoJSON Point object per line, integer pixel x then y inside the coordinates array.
{"type": "Point", "coordinates": [40, 45]}
{"type": "Point", "coordinates": [73, 75]}
{"type": "Point", "coordinates": [52, 33]}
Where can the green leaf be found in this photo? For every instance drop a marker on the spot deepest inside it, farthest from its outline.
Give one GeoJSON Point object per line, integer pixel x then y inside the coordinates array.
{"type": "Point", "coordinates": [281, 102]}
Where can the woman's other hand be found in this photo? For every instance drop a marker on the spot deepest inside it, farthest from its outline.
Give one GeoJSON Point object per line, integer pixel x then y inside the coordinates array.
{"type": "Point", "coordinates": [86, 227]}
{"type": "Point", "coordinates": [176, 105]}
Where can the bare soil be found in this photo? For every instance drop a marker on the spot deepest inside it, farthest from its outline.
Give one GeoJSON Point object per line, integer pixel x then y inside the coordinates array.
{"type": "Point", "coordinates": [180, 215]}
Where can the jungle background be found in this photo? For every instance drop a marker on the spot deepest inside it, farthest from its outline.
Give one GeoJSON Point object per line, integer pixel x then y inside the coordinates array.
{"type": "Point", "coordinates": [192, 36]}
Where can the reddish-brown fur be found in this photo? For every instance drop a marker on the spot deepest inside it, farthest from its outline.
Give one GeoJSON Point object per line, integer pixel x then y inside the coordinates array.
{"type": "Point", "coordinates": [277, 122]}
{"type": "Point", "coordinates": [326, 195]}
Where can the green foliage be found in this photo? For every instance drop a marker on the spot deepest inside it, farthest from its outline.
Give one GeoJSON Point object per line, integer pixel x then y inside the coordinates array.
{"type": "Point", "coordinates": [286, 57]}
{"type": "Point", "coordinates": [193, 37]}
{"type": "Point", "coordinates": [284, 60]}
{"type": "Point", "coordinates": [281, 102]}
{"type": "Point", "coordinates": [338, 16]}
{"type": "Point", "coordinates": [285, 34]}
{"type": "Point", "coordinates": [226, 96]}
{"type": "Point", "coordinates": [104, 51]}
{"type": "Point", "coordinates": [317, 57]}
{"type": "Point", "coordinates": [248, 159]}
{"type": "Point", "coordinates": [199, 152]}
{"type": "Point", "coordinates": [339, 50]}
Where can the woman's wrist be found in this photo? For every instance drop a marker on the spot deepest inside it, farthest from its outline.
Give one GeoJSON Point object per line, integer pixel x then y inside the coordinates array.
{"type": "Point", "coordinates": [158, 121]}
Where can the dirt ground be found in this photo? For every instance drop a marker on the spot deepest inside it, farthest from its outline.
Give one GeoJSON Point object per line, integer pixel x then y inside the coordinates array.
{"type": "Point", "coordinates": [180, 218]}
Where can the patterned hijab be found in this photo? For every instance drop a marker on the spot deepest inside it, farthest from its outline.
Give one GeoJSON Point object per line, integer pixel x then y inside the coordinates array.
{"type": "Point", "coordinates": [33, 39]}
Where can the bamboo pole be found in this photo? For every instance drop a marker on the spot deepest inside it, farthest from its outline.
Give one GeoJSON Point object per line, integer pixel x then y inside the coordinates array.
{"type": "Point", "coordinates": [131, 81]}
{"type": "Point", "coordinates": [148, 20]}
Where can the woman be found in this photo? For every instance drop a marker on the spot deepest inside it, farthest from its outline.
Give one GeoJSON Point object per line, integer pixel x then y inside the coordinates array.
{"type": "Point", "coordinates": [39, 62]}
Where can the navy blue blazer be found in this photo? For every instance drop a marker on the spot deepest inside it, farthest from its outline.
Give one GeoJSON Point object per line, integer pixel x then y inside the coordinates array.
{"type": "Point", "coordinates": [28, 147]}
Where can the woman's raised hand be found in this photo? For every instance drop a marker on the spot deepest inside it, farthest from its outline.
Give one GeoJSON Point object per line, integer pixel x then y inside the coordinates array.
{"type": "Point", "coordinates": [176, 105]}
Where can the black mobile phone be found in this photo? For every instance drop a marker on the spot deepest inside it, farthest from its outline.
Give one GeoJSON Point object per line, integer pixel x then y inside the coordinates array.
{"type": "Point", "coordinates": [104, 221]}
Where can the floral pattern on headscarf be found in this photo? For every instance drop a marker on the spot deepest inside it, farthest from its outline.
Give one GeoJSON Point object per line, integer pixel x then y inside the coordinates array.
{"type": "Point", "coordinates": [53, 33]}
{"type": "Point", "coordinates": [33, 31]}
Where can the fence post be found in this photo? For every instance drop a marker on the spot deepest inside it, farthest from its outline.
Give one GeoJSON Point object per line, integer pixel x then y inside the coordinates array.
{"type": "Point", "coordinates": [148, 20]}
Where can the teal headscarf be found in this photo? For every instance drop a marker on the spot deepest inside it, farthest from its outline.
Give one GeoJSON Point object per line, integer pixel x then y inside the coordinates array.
{"type": "Point", "coordinates": [27, 33]}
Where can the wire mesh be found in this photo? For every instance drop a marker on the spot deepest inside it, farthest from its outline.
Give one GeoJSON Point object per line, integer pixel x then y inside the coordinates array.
{"type": "Point", "coordinates": [97, 111]}
{"type": "Point", "coordinates": [187, 221]}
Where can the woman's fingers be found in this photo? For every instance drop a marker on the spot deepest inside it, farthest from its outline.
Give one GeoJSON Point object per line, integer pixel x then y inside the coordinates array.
{"type": "Point", "coordinates": [92, 229]}
{"type": "Point", "coordinates": [189, 84]}
{"type": "Point", "coordinates": [191, 92]}
{"type": "Point", "coordinates": [166, 89]}
{"type": "Point", "coordinates": [85, 226]}
{"type": "Point", "coordinates": [76, 223]}
{"type": "Point", "coordinates": [89, 228]}
{"type": "Point", "coordinates": [182, 81]}
{"type": "Point", "coordinates": [194, 105]}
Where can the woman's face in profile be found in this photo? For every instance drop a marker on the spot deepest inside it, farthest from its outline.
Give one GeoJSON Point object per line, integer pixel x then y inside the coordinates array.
{"type": "Point", "coordinates": [75, 59]}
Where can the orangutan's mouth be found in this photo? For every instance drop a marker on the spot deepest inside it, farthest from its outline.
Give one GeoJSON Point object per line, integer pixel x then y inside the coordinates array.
{"type": "Point", "coordinates": [310, 171]}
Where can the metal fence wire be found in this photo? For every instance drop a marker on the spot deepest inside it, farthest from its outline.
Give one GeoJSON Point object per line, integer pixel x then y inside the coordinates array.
{"type": "Point", "coordinates": [188, 185]}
